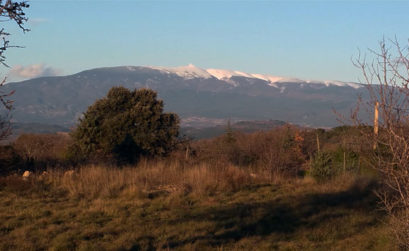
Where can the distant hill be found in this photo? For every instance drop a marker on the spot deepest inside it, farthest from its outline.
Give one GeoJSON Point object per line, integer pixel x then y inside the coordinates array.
{"type": "Point", "coordinates": [37, 128]}
{"type": "Point", "coordinates": [19, 128]}
{"type": "Point", "coordinates": [193, 132]}
{"type": "Point", "coordinates": [191, 92]}
{"type": "Point", "coordinates": [242, 126]}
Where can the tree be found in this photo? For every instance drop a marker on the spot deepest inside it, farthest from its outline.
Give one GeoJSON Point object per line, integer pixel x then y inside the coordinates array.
{"type": "Point", "coordinates": [125, 125]}
{"type": "Point", "coordinates": [9, 11]}
{"type": "Point", "coordinates": [387, 79]}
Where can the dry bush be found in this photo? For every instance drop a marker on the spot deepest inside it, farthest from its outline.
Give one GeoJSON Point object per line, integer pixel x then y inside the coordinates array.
{"type": "Point", "coordinates": [278, 152]}
{"type": "Point", "coordinates": [46, 149]}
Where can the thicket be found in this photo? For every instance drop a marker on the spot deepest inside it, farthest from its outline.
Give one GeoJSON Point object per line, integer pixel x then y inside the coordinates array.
{"type": "Point", "coordinates": [286, 151]}
{"type": "Point", "coordinates": [39, 151]}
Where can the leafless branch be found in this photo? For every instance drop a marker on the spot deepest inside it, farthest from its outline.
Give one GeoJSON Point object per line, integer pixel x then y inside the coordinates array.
{"type": "Point", "coordinates": [387, 81]}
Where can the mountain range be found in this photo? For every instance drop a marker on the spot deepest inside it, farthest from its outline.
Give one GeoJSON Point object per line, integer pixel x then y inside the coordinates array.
{"type": "Point", "coordinates": [201, 97]}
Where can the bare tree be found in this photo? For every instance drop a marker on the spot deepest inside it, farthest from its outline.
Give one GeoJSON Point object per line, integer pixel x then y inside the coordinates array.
{"type": "Point", "coordinates": [9, 11]}
{"type": "Point", "coordinates": [387, 78]}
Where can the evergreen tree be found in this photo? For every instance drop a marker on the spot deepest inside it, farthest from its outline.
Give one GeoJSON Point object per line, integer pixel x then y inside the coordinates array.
{"type": "Point", "coordinates": [125, 125]}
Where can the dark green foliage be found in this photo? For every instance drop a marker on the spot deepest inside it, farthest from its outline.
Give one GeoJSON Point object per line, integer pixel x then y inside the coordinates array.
{"type": "Point", "coordinates": [351, 160]}
{"type": "Point", "coordinates": [9, 160]}
{"type": "Point", "coordinates": [322, 168]}
{"type": "Point", "coordinates": [126, 125]}
{"type": "Point", "coordinates": [326, 165]}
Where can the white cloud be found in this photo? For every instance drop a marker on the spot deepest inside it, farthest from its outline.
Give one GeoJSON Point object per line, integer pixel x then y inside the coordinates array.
{"type": "Point", "coordinates": [37, 21]}
{"type": "Point", "coordinates": [19, 72]}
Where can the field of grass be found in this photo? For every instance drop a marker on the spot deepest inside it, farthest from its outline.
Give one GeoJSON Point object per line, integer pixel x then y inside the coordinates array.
{"type": "Point", "coordinates": [160, 206]}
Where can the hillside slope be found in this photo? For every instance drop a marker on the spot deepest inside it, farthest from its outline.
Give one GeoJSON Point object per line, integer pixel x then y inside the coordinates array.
{"type": "Point", "coordinates": [189, 91]}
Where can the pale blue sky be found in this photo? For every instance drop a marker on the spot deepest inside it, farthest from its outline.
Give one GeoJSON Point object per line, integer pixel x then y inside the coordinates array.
{"type": "Point", "coordinates": [308, 40]}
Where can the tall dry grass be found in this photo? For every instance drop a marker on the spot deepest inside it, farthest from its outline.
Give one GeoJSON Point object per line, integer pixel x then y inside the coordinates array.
{"type": "Point", "coordinates": [149, 177]}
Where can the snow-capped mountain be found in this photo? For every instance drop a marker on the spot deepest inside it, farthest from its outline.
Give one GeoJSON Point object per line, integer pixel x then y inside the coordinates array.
{"type": "Point", "coordinates": [188, 72]}
{"type": "Point", "coordinates": [191, 71]}
{"type": "Point", "coordinates": [190, 91]}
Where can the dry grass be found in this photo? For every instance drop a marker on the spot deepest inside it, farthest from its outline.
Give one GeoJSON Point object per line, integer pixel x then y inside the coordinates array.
{"type": "Point", "coordinates": [96, 181]}
{"type": "Point", "coordinates": [165, 205]}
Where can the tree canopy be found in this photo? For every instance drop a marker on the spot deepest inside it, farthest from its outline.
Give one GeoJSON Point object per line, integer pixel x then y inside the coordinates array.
{"type": "Point", "coordinates": [126, 125]}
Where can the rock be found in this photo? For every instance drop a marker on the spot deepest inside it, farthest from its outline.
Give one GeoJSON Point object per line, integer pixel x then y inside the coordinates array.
{"type": "Point", "coordinates": [26, 174]}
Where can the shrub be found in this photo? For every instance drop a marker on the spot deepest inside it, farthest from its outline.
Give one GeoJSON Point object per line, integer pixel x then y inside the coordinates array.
{"type": "Point", "coordinates": [9, 160]}
{"type": "Point", "coordinates": [322, 168]}
{"type": "Point", "coordinates": [333, 161]}
{"type": "Point", "coordinates": [126, 125]}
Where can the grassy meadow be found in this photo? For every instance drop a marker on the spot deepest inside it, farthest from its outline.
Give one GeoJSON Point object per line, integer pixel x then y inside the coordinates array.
{"type": "Point", "coordinates": [260, 191]}
{"type": "Point", "coordinates": [160, 206]}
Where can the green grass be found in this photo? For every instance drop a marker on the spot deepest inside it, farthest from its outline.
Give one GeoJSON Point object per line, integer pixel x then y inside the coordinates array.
{"type": "Point", "coordinates": [296, 215]}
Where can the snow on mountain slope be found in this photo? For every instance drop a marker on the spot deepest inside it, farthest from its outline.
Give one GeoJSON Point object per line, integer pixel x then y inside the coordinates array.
{"type": "Point", "coordinates": [190, 72]}
{"type": "Point", "coordinates": [339, 83]}
{"type": "Point", "coordinates": [226, 74]}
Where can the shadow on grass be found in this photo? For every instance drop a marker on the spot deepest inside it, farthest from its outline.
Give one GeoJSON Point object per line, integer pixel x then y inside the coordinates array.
{"type": "Point", "coordinates": [283, 217]}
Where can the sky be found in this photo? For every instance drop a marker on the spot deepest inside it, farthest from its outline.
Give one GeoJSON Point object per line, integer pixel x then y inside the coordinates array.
{"type": "Point", "coordinates": [310, 40]}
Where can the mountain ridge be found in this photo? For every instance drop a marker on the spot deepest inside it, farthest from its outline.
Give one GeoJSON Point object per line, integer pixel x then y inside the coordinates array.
{"type": "Point", "coordinates": [189, 91]}
{"type": "Point", "coordinates": [191, 71]}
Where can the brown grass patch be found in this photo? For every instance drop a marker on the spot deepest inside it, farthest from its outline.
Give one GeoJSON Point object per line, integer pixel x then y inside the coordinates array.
{"type": "Point", "coordinates": [148, 178]}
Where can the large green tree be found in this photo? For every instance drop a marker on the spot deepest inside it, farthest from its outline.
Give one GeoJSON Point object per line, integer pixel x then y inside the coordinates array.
{"type": "Point", "coordinates": [125, 125]}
